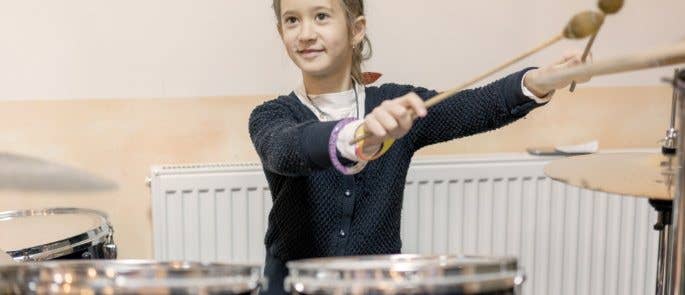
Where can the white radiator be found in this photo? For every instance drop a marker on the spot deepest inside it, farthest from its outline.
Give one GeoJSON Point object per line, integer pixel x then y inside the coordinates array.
{"type": "Point", "coordinates": [568, 240]}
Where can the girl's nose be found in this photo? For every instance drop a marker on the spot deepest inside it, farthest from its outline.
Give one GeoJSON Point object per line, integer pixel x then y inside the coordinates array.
{"type": "Point", "coordinates": [307, 32]}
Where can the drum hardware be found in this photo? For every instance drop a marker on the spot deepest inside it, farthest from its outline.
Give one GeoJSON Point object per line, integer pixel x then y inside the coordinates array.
{"type": "Point", "coordinates": [110, 248]}
{"type": "Point", "coordinates": [91, 238]}
{"type": "Point", "coordinates": [663, 224]}
{"type": "Point", "coordinates": [25, 173]}
{"type": "Point", "coordinates": [580, 26]}
{"type": "Point", "coordinates": [670, 141]}
{"type": "Point", "coordinates": [676, 279]}
{"type": "Point", "coordinates": [129, 277]}
{"type": "Point", "coordinates": [665, 208]}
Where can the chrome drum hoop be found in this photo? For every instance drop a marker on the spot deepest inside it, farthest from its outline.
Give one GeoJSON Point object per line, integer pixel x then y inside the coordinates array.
{"type": "Point", "coordinates": [129, 277]}
{"type": "Point", "coordinates": [101, 235]}
{"type": "Point", "coordinates": [405, 274]}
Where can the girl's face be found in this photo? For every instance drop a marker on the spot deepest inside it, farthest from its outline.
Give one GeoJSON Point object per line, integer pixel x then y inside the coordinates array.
{"type": "Point", "coordinates": [316, 36]}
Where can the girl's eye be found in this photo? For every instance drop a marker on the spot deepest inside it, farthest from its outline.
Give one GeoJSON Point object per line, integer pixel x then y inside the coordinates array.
{"type": "Point", "coordinates": [321, 16]}
{"type": "Point", "coordinates": [290, 20]}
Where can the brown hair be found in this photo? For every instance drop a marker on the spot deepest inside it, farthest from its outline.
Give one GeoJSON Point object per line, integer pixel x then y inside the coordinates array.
{"type": "Point", "coordinates": [362, 51]}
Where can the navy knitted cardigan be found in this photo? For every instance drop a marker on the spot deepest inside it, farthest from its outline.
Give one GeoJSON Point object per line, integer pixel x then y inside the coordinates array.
{"type": "Point", "coordinates": [317, 211]}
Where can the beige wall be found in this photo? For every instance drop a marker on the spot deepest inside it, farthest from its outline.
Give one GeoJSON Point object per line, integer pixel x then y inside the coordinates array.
{"type": "Point", "coordinates": [121, 138]}
{"type": "Point", "coordinates": [184, 48]}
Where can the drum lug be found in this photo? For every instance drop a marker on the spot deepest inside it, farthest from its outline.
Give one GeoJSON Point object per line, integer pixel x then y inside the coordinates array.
{"type": "Point", "coordinates": [109, 250]}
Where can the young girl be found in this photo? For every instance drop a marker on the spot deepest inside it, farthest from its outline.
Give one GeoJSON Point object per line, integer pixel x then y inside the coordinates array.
{"type": "Point", "coordinates": [334, 198]}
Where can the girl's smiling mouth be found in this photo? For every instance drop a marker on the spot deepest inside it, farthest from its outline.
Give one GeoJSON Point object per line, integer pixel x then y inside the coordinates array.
{"type": "Point", "coordinates": [310, 53]}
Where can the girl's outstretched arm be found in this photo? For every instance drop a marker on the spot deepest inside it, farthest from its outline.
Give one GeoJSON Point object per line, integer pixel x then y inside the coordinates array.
{"type": "Point", "coordinates": [287, 146]}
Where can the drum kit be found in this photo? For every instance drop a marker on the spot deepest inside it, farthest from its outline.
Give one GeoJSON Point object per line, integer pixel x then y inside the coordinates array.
{"type": "Point", "coordinates": [72, 250]}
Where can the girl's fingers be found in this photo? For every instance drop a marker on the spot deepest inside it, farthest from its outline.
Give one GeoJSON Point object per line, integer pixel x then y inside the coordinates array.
{"type": "Point", "coordinates": [388, 122]}
{"type": "Point", "coordinates": [402, 116]}
{"type": "Point", "coordinates": [374, 127]}
{"type": "Point", "coordinates": [415, 103]}
{"type": "Point", "coordinates": [393, 117]}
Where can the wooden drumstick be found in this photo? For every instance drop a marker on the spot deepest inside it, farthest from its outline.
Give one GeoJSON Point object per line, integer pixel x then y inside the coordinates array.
{"type": "Point", "coordinates": [584, 57]}
{"type": "Point", "coordinates": [608, 7]}
{"type": "Point", "coordinates": [651, 59]}
{"type": "Point", "coordinates": [583, 24]}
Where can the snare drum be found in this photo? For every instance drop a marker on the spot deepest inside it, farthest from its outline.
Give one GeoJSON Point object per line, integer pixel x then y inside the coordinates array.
{"type": "Point", "coordinates": [56, 233]}
{"type": "Point", "coordinates": [405, 274]}
{"type": "Point", "coordinates": [128, 277]}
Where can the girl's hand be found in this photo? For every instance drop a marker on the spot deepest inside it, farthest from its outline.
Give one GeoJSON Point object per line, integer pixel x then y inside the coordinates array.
{"type": "Point", "coordinates": [392, 119]}
{"type": "Point", "coordinates": [570, 59]}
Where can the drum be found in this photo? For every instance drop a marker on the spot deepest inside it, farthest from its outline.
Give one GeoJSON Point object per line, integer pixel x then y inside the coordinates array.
{"type": "Point", "coordinates": [128, 277]}
{"type": "Point", "coordinates": [405, 274]}
{"type": "Point", "coordinates": [56, 233]}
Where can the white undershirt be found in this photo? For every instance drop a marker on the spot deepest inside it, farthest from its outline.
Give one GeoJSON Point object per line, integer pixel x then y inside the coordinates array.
{"type": "Point", "coordinates": [340, 105]}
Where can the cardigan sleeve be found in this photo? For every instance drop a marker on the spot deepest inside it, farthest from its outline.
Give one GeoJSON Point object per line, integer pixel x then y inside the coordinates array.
{"type": "Point", "coordinates": [471, 111]}
{"type": "Point", "coordinates": [285, 145]}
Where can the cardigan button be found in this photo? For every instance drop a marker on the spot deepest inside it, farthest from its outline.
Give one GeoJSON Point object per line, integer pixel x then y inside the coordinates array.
{"type": "Point", "coordinates": [342, 232]}
{"type": "Point", "coordinates": [348, 193]}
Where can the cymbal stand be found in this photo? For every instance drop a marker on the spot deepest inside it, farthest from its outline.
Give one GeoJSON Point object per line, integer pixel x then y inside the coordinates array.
{"type": "Point", "coordinates": [676, 273]}
{"type": "Point", "coordinates": [664, 208]}
{"type": "Point", "coordinates": [663, 225]}
{"type": "Point", "coordinates": [671, 139]}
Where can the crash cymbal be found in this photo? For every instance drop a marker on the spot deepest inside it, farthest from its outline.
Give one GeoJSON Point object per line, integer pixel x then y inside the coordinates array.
{"type": "Point", "coordinates": [648, 175]}
{"type": "Point", "coordinates": [25, 173]}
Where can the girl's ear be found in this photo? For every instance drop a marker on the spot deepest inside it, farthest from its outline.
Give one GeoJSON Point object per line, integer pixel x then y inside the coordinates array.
{"type": "Point", "coordinates": [358, 30]}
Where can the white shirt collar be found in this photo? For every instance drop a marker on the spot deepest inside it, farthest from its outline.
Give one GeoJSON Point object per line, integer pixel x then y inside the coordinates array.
{"type": "Point", "coordinates": [335, 106]}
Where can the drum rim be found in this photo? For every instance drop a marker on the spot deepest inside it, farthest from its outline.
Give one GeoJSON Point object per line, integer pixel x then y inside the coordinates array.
{"type": "Point", "coordinates": [466, 284]}
{"type": "Point", "coordinates": [92, 237]}
{"type": "Point", "coordinates": [404, 260]}
{"type": "Point", "coordinates": [236, 277]}
{"type": "Point", "coordinates": [399, 273]}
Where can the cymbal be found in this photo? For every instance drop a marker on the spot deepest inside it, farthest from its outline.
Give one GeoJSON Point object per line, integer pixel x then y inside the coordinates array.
{"type": "Point", "coordinates": [25, 173]}
{"type": "Point", "coordinates": [646, 175]}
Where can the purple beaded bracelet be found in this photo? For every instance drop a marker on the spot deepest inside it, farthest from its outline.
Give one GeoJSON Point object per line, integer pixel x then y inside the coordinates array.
{"type": "Point", "coordinates": [333, 151]}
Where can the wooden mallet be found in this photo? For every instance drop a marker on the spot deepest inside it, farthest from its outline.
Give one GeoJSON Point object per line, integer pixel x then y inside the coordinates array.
{"type": "Point", "coordinates": [583, 24]}
{"type": "Point", "coordinates": [607, 7]}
